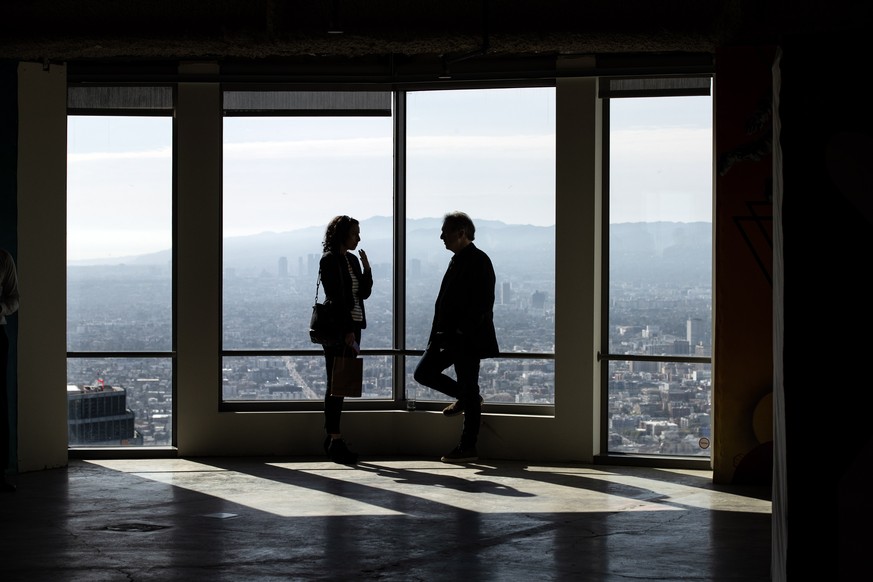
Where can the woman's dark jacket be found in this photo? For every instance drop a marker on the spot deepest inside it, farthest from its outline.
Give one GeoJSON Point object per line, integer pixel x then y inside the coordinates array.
{"type": "Point", "coordinates": [337, 283]}
{"type": "Point", "coordinates": [464, 310]}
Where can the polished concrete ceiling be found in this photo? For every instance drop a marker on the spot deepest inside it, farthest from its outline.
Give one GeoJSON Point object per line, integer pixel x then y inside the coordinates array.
{"type": "Point", "coordinates": [63, 30]}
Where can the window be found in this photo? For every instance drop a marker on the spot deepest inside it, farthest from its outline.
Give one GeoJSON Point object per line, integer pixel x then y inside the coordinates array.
{"type": "Point", "coordinates": [119, 267]}
{"type": "Point", "coordinates": [658, 312]}
{"type": "Point", "coordinates": [289, 167]}
{"type": "Point", "coordinates": [489, 153]}
{"type": "Point", "coordinates": [293, 161]}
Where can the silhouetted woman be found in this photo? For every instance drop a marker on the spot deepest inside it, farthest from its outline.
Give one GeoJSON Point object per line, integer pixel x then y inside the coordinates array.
{"type": "Point", "coordinates": [346, 284]}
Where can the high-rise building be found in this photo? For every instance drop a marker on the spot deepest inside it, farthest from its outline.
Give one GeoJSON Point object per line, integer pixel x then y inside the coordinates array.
{"type": "Point", "coordinates": [694, 331]}
{"type": "Point", "coordinates": [651, 331]}
{"type": "Point", "coordinates": [283, 267]}
{"type": "Point", "coordinates": [99, 415]}
{"type": "Point", "coordinates": [313, 264]}
{"type": "Point", "coordinates": [415, 268]}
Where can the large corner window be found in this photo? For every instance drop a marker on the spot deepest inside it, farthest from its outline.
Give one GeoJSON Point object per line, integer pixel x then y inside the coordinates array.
{"type": "Point", "coordinates": [119, 266]}
{"type": "Point", "coordinates": [489, 153]}
{"type": "Point", "coordinates": [657, 375]}
{"type": "Point", "coordinates": [293, 160]}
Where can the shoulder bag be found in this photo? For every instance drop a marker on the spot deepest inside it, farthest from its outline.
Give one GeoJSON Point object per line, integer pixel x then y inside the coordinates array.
{"type": "Point", "coordinates": [324, 324]}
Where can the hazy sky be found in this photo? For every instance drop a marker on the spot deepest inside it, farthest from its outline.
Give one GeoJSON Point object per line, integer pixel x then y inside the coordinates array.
{"type": "Point", "coordinates": [487, 153]}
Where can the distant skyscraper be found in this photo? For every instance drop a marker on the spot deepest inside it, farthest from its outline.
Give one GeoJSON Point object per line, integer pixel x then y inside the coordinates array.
{"type": "Point", "coordinates": [313, 264]}
{"type": "Point", "coordinates": [283, 266]}
{"type": "Point", "coordinates": [651, 331]}
{"type": "Point", "coordinates": [506, 293]}
{"type": "Point", "coordinates": [694, 331]}
{"type": "Point", "coordinates": [415, 268]}
{"type": "Point", "coordinates": [538, 300]}
{"type": "Point", "coordinates": [681, 348]}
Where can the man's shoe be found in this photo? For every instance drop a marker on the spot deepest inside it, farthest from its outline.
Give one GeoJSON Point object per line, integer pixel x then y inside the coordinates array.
{"type": "Point", "coordinates": [461, 454]}
{"type": "Point", "coordinates": [340, 453]}
{"type": "Point", "coordinates": [456, 408]}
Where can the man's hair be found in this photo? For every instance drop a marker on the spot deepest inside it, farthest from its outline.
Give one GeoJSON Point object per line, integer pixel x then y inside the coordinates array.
{"type": "Point", "coordinates": [458, 220]}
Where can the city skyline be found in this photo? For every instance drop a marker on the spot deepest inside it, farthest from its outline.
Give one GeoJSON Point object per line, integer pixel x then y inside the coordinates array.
{"type": "Point", "coordinates": [518, 241]}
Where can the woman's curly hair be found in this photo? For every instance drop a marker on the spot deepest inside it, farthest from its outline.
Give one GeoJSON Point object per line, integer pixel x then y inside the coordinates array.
{"type": "Point", "coordinates": [337, 232]}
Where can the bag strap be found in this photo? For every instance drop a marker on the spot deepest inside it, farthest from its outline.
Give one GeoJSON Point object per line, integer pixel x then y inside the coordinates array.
{"type": "Point", "coordinates": [317, 283]}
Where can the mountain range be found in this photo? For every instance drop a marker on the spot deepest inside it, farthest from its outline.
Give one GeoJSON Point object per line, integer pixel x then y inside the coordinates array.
{"type": "Point", "coordinates": [642, 250]}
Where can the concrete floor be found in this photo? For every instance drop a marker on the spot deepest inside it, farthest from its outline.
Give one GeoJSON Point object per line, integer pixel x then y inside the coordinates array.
{"type": "Point", "coordinates": [244, 519]}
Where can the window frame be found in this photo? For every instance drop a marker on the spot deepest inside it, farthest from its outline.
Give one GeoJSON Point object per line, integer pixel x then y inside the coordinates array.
{"type": "Point", "coordinates": [398, 351]}
{"type": "Point", "coordinates": [124, 100]}
{"type": "Point", "coordinates": [619, 90]}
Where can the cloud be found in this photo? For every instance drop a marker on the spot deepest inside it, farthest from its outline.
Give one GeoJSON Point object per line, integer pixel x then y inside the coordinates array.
{"type": "Point", "coordinates": [309, 148]}
{"type": "Point", "coordinates": [662, 143]}
{"type": "Point", "coordinates": [445, 146]}
{"type": "Point", "coordinates": [159, 153]}
{"type": "Point", "coordinates": [542, 146]}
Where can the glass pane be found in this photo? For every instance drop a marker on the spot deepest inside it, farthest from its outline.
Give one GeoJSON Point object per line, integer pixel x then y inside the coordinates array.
{"type": "Point", "coordinates": [660, 265]}
{"type": "Point", "coordinates": [489, 153]}
{"type": "Point", "coordinates": [120, 401]}
{"type": "Point", "coordinates": [119, 234]}
{"type": "Point", "coordinates": [119, 279]}
{"type": "Point", "coordinates": [285, 178]}
{"type": "Point", "coordinates": [501, 381]}
{"type": "Point", "coordinates": [270, 378]}
{"type": "Point", "coordinates": [660, 408]}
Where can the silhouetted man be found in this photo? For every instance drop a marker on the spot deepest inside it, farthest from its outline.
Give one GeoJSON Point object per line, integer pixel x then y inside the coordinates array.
{"type": "Point", "coordinates": [462, 332]}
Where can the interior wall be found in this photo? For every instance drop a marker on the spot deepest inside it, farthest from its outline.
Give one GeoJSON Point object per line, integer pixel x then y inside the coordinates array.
{"type": "Point", "coordinates": [197, 268]}
{"type": "Point", "coordinates": [9, 228]}
{"type": "Point", "coordinates": [577, 249]}
{"type": "Point", "coordinates": [42, 266]}
{"type": "Point", "coordinates": [743, 267]}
